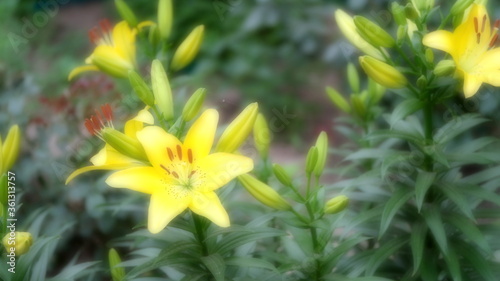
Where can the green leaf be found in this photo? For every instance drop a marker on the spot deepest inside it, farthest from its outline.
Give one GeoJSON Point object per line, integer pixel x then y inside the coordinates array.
{"type": "Point", "coordinates": [337, 277]}
{"type": "Point", "coordinates": [456, 196]}
{"type": "Point", "coordinates": [476, 259]}
{"type": "Point", "coordinates": [457, 126]}
{"type": "Point", "coordinates": [244, 236]}
{"type": "Point", "coordinates": [382, 253]}
{"type": "Point", "coordinates": [429, 267]}
{"type": "Point", "coordinates": [482, 193]}
{"type": "Point", "coordinates": [371, 153]}
{"type": "Point", "coordinates": [453, 264]}
{"type": "Point", "coordinates": [417, 243]}
{"type": "Point", "coordinates": [216, 265]}
{"type": "Point", "coordinates": [397, 134]}
{"type": "Point", "coordinates": [422, 184]}
{"type": "Point", "coordinates": [397, 200]}
{"type": "Point", "coordinates": [435, 224]}
{"type": "Point", "coordinates": [404, 109]}
{"type": "Point", "coordinates": [331, 259]}
{"type": "Point", "coordinates": [250, 262]}
{"type": "Point", "coordinates": [469, 229]}
{"type": "Point", "coordinates": [483, 176]}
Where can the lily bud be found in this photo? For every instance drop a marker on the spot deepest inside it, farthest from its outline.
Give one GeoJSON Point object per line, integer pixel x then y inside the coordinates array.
{"type": "Point", "coordinates": [445, 68]}
{"type": "Point", "coordinates": [238, 130]}
{"type": "Point", "coordinates": [126, 13]}
{"type": "Point", "coordinates": [263, 193]}
{"type": "Point", "coordinates": [188, 49]}
{"type": "Point", "coordinates": [154, 35]}
{"type": "Point", "coordinates": [117, 272]}
{"type": "Point", "coordinates": [373, 33]}
{"type": "Point", "coordinates": [338, 100]}
{"type": "Point", "coordinates": [161, 90]}
{"type": "Point", "coordinates": [10, 148]}
{"type": "Point", "coordinates": [4, 194]}
{"type": "Point", "coordinates": [398, 12]}
{"type": "Point", "coordinates": [141, 89]}
{"type": "Point", "coordinates": [282, 175]}
{"type": "Point", "coordinates": [322, 145]}
{"type": "Point", "coordinates": [261, 136]}
{"type": "Point", "coordinates": [124, 144]}
{"type": "Point", "coordinates": [348, 28]}
{"type": "Point", "coordinates": [358, 105]}
{"type": "Point", "coordinates": [353, 77]}
{"type": "Point", "coordinates": [109, 64]}
{"type": "Point", "coordinates": [193, 105]}
{"type": "Point", "coordinates": [336, 204]}
{"type": "Point", "coordinates": [382, 73]}
{"type": "Point", "coordinates": [429, 55]}
{"type": "Point", "coordinates": [411, 12]}
{"type": "Point", "coordinates": [165, 18]}
{"type": "Point", "coordinates": [18, 243]}
{"type": "Point", "coordinates": [422, 82]}
{"type": "Point", "coordinates": [460, 6]}
{"type": "Point", "coordinates": [311, 159]}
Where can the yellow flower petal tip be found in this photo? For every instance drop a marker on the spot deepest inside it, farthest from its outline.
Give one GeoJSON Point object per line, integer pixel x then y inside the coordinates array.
{"type": "Point", "coordinates": [183, 175]}
{"type": "Point", "coordinates": [472, 47]}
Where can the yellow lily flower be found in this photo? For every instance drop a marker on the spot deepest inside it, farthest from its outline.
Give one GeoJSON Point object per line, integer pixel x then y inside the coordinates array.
{"type": "Point", "coordinates": [471, 46]}
{"type": "Point", "coordinates": [114, 53]}
{"type": "Point", "coordinates": [109, 158]}
{"type": "Point", "coordinates": [183, 174]}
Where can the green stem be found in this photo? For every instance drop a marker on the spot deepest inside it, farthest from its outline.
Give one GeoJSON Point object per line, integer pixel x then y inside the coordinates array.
{"type": "Point", "coordinates": [200, 233]}
{"type": "Point", "coordinates": [181, 128]}
{"type": "Point", "coordinates": [160, 119]}
{"type": "Point", "coordinates": [428, 127]}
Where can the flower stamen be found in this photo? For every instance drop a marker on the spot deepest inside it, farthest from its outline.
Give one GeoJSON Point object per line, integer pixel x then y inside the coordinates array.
{"type": "Point", "coordinates": [179, 152]}
{"type": "Point", "coordinates": [170, 154]}
{"type": "Point", "coordinates": [95, 123]}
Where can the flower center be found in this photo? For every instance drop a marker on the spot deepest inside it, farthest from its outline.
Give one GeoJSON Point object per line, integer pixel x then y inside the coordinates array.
{"type": "Point", "coordinates": [183, 175]}
{"type": "Point", "coordinates": [100, 120]}
{"type": "Point", "coordinates": [101, 35]}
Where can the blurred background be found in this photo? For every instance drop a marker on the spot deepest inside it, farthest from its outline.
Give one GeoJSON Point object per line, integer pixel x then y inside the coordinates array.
{"type": "Point", "coordinates": [280, 53]}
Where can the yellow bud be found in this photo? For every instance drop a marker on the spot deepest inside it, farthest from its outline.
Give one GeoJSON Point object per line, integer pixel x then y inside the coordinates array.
{"type": "Point", "coordinates": [126, 13]}
{"type": "Point", "coordinates": [117, 272]}
{"type": "Point", "coordinates": [118, 68]}
{"type": "Point", "coordinates": [188, 49]}
{"type": "Point", "coordinates": [161, 90]}
{"type": "Point", "coordinates": [429, 55]}
{"type": "Point", "coordinates": [165, 18]}
{"type": "Point", "coordinates": [238, 130]}
{"type": "Point", "coordinates": [348, 28]}
{"type": "Point", "coordinates": [17, 243]}
{"type": "Point", "coordinates": [193, 105]}
{"type": "Point", "coordinates": [382, 73]}
{"type": "Point", "coordinates": [358, 105]}
{"type": "Point", "coordinates": [1, 158]}
{"type": "Point", "coordinates": [124, 144]}
{"type": "Point", "coordinates": [282, 175]}
{"type": "Point", "coordinates": [311, 160]}
{"type": "Point", "coordinates": [460, 6]}
{"type": "Point", "coordinates": [261, 136]}
{"type": "Point", "coordinates": [10, 148]}
{"type": "Point", "coordinates": [336, 204]}
{"type": "Point", "coordinates": [322, 145]}
{"type": "Point", "coordinates": [373, 33]}
{"type": "Point", "coordinates": [445, 68]}
{"type": "Point", "coordinates": [141, 89]}
{"type": "Point", "coordinates": [353, 77]}
{"type": "Point", "coordinates": [338, 100]}
{"type": "Point", "coordinates": [398, 12]}
{"type": "Point", "coordinates": [3, 191]}
{"type": "Point", "coordinates": [263, 193]}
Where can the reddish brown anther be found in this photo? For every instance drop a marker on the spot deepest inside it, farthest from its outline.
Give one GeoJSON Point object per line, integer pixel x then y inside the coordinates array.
{"type": "Point", "coordinates": [95, 123]}
{"type": "Point", "coordinates": [107, 112]}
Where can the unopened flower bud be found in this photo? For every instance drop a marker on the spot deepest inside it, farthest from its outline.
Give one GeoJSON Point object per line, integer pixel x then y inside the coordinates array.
{"type": "Point", "coordinates": [161, 90]}
{"type": "Point", "coordinates": [311, 159]}
{"type": "Point", "coordinates": [126, 13]}
{"type": "Point", "coordinates": [401, 34]}
{"type": "Point", "coordinates": [411, 12]}
{"type": "Point", "coordinates": [193, 105]}
{"type": "Point", "coordinates": [110, 65]}
{"type": "Point", "coordinates": [238, 130]}
{"type": "Point", "coordinates": [124, 144]}
{"type": "Point", "coordinates": [398, 12]}
{"type": "Point", "coordinates": [322, 145]}
{"type": "Point", "coordinates": [165, 18]}
{"type": "Point", "coordinates": [376, 91]}
{"type": "Point", "coordinates": [282, 175]}
{"type": "Point", "coordinates": [263, 193]}
{"type": "Point", "coordinates": [422, 82]}
{"type": "Point", "coordinates": [429, 55]}
{"type": "Point", "coordinates": [373, 33]}
{"type": "Point", "coordinates": [188, 49]}
{"type": "Point", "coordinates": [338, 100]}
{"type": "Point", "coordinates": [444, 68]}
{"type": "Point", "coordinates": [358, 105]}
{"type": "Point", "coordinates": [261, 136]}
{"type": "Point", "coordinates": [141, 89]}
{"type": "Point", "coordinates": [154, 35]}
{"type": "Point", "coordinates": [460, 6]}
{"type": "Point", "coordinates": [117, 272]}
{"type": "Point", "coordinates": [353, 77]}
{"type": "Point", "coordinates": [336, 204]}
{"type": "Point", "coordinates": [382, 73]}
{"type": "Point", "coordinates": [10, 148]}
{"type": "Point", "coordinates": [17, 243]}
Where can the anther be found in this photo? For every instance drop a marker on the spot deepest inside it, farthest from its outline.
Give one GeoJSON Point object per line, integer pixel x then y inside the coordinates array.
{"type": "Point", "coordinates": [478, 38]}
{"type": "Point", "coordinates": [484, 23]}
{"type": "Point", "coordinates": [107, 111]}
{"type": "Point", "coordinates": [179, 152]}
{"type": "Point", "coordinates": [175, 175]}
{"type": "Point", "coordinates": [190, 156]}
{"type": "Point", "coordinates": [167, 170]}
{"type": "Point", "coordinates": [90, 127]}
{"type": "Point", "coordinates": [494, 40]}
{"type": "Point", "coordinates": [476, 25]}
{"type": "Point", "coordinates": [170, 154]}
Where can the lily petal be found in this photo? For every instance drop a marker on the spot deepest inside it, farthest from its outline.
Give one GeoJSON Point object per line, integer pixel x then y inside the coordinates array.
{"type": "Point", "coordinates": [155, 142]}
{"type": "Point", "coordinates": [137, 123]}
{"type": "Point", "coordinates": [108, 155]}
{"type": "Point", "coordinates": [221, 168]}
{"type": "Point", "coordinates": [492, 77]}
{"type": "Point", "coordinates": [200, 136]}
{"type": "Point", "coordinates": [81, 69]}
{"type": "Point", "coordinates": [471, 85]}
{"type": "Point", "coordinates": [441, 40]}
{"type": "Point", "coordinates": [124, 40]}
{"type": "Point", "coordinates": [490, 60]}
{"type": "Point", "coordinates": [143, 179]}
{"type": "Point", "coordinates": [82, 170]}
{"type": "Point", "coordinates": [208, 205]}
{"type": "Point", "coordinates": [162, 209]}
